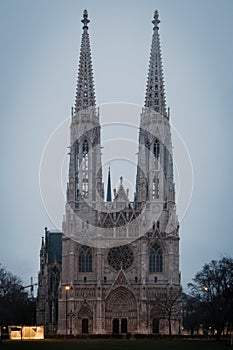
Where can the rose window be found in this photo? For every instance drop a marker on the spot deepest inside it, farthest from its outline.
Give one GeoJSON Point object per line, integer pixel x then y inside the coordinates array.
{"type": "Point", "coordinates": [120, 257]}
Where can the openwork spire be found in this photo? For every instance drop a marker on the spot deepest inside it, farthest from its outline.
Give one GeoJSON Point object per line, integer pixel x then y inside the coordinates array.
{"type": "Point", "coordinates": [109, 187]}
{"type": "Point", "coordinates": [85, 90]}
{"type": "Point", "coordinates": [155, 91]}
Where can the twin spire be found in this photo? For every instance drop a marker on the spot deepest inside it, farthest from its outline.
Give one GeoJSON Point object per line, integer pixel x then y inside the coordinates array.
{"type": "Point", "coordinates": [85, 90]}
{"type": "Point", "coordinates": [155, 91]}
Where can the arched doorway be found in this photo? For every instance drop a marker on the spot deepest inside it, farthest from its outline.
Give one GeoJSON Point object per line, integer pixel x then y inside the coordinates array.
{"type": "Point", "coordinates": [115, 326]}
{"type": "Point", "coordinates": [155, 325]}
{"type": "Point", "coordinates": [85, 325]}
{"type": "Point", "coordinates": [124, 325]}
{"type": "Point", "coordinates": [84, 320]}
{"type": "Point", "coordinates": [121, 306]}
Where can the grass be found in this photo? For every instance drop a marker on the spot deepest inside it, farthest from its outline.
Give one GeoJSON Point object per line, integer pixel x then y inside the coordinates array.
{"type": "Point", "coordinates": [115, 344]}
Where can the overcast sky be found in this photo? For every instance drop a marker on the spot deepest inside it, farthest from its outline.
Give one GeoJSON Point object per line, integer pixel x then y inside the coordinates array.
{"type": "Point", "coordinates": [40, 43]}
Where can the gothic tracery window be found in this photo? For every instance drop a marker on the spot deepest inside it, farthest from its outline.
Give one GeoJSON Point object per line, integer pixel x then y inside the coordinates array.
{"type": "Point", "coordinates": [120, 257]}
{"type": "Point", "coordinates": [155, 259]}
{"type": "Point", "coordinates": [85, 259]}
{"type": "Point", "coordinates": [85, 160]}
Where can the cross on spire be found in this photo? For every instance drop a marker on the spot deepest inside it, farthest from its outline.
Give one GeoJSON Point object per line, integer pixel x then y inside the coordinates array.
{"type": "Point", "coordinates": [156, 20]}
{"type": "Point", "coordinates": [85, 90]}
{"type": "Point", "coordinates": [155, 91]}
{"type": "Point", "coordinates": [85, 19]}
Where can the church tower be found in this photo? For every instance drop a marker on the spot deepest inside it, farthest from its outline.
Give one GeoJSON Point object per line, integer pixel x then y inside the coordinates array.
{"type": "Point", "coordinates": [120, 259]}
{"type": "Point", "coordinates": [85, 189]}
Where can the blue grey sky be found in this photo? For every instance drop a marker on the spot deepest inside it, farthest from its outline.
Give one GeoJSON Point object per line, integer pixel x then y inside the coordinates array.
{"type": "Point", "coordinates": [40, 43]}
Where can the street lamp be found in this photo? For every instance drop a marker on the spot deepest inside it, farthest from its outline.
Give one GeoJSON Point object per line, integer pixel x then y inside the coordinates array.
{"type": "Point", "coordinates": [67, 288]}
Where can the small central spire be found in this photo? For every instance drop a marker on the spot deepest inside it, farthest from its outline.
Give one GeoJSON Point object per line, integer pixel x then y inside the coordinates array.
{"type": "Point", "coordinates": [109, 187]}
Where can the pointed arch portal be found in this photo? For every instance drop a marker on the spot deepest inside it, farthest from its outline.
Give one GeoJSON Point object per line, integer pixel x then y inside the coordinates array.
{"type": "Point", "coordinates": [121, 311]}
{"type": "Point", "coordinates": [84, 321]}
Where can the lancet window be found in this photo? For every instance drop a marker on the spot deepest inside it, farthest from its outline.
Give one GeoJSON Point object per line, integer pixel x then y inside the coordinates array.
{"type": "Point", "coordinates": [85, 160]}
{"type": "Point", "coordinates": [147, 149]}
{"type": "Point", "coordinates": [76, 171]}
{"type": "Point", "coordinates": [155, 259]}
{"type": "Point", "coordinates": [85, 259]}
{"type": "Point", "coordinates": [157, 154]}
{"type": "Point", "coordinates": [155, 187]}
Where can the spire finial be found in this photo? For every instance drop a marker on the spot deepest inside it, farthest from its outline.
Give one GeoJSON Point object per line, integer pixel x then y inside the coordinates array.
{"type": "Point", "coordinates": [85, 19]}
{"type": "Point", "coordinates": [156, 20]}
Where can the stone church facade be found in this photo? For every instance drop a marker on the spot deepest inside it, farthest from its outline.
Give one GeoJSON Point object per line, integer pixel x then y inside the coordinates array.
{"type": "Point", "coordinates": [120, 259]}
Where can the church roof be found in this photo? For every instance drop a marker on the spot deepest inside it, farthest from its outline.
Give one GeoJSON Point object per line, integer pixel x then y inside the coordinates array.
{"type": "Point", "coordinates": [53, 243]}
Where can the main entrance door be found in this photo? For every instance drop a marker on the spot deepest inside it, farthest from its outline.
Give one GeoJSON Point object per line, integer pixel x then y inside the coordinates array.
{"type": "Point", "coordinates": [118, 325]}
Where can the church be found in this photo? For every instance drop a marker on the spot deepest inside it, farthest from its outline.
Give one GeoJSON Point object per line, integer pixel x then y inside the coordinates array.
{"type": "Point", "coordinates": [114, 268]}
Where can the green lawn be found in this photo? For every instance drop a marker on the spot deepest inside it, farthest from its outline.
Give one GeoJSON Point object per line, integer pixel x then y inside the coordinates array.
{"type": "Point", "coordinates": [115, 344]}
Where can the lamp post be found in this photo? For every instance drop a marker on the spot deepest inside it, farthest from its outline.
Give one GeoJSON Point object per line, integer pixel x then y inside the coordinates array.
{"type": "Point", "coordinates": [67, 288]}
{"type": "Point", "coordinates": [71, 315]}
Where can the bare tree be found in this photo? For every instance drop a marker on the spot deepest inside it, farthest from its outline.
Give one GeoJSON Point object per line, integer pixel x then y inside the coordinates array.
{"type": "Point", "coordinates": [191, 313]}
{"type": "Point", "coordinates": [166, 304]}
{"type": "Point", "coordinates": [15, 306]}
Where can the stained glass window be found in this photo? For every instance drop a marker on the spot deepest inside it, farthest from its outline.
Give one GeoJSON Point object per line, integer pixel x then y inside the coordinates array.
{"type": "Point", "coordinates": [120, 257]}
